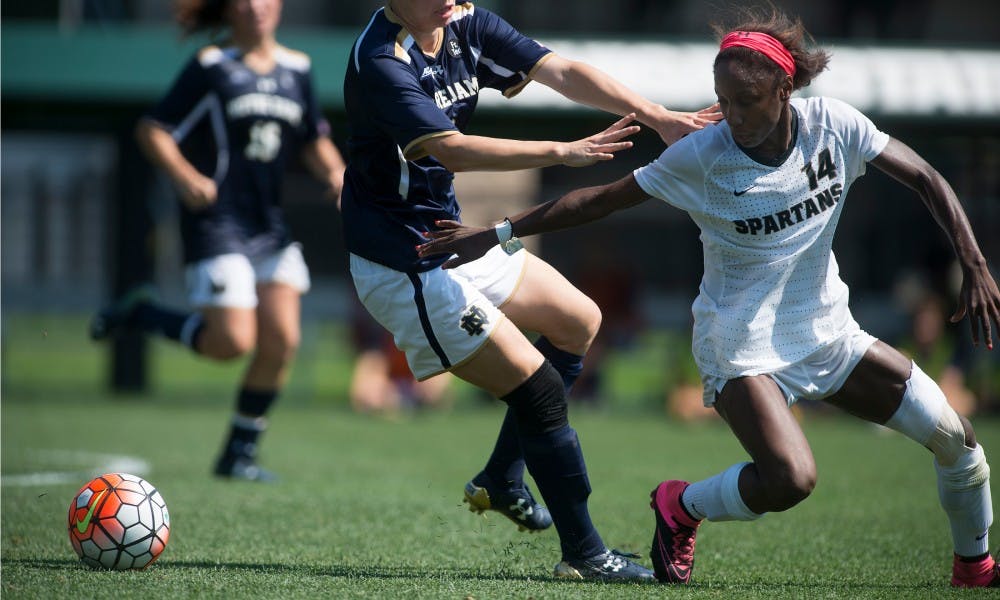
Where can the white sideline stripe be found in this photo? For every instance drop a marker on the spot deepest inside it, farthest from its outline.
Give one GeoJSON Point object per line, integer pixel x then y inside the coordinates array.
{"type": "Point", "coordinates": [91, 465]}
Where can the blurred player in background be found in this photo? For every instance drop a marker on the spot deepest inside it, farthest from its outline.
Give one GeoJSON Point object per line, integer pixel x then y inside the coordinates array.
{"type": "Point", "coordinates": [772, 322]}
{"type": "Point", "coordinates": [382, 382]}
{"type": "Point", "coordinates": [412, 84]}
{"type": "Point", "coordinates": [224, 133]}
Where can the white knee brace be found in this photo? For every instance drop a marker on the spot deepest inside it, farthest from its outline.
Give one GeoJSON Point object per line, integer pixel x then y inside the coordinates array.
{"type": "Point", "coordinates": [962, 472]}
{"type": "Point", "coordinates": [925, 416]}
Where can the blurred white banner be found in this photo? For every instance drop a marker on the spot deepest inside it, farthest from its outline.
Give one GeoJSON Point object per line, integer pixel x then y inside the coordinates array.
{"type": "Point", "coordinates": [877, 80]}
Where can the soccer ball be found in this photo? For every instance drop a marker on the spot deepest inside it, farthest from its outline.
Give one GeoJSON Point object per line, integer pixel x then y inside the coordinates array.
{"type": "Point", "coordinates": [118, 521]}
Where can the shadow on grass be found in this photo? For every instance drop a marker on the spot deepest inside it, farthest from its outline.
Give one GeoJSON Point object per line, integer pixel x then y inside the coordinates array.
{"type": "Point", "coordinates": [383, 572]}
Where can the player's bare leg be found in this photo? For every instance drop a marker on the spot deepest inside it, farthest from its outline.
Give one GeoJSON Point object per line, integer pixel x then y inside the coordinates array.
{"type": "Point", "coordinates": [276, 325]}
{"type": "Point", "coordinates": [887, 388]}
{"type": "Point", "coordinates": [227, 332]}
{"type": "Point", "coordinates": [782, 473]}
{"type": "Point", "coordinates": [547, 303]}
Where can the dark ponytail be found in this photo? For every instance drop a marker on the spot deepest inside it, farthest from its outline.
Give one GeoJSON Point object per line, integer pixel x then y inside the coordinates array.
{"type": "Point", "coordinates": [198, 15]}
{"type": "Point", "coordinates": [809, 60]}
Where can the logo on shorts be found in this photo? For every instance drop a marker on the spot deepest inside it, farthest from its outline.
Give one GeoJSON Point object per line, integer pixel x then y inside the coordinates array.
{"type": "Point", "coordinates": [218, 288]}
{"type": "Point", "coordinates": [454, 49]}
{"type": "Point", "coordinates": [473, 321]}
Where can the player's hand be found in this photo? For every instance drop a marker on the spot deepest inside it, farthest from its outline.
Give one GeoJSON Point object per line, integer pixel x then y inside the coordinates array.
{"type": "Point", "coordinates": [673, 125]}
{"type": "Point", "coordinates": [198, 192]}
{"type": "Point", "coordinates": [600, 146]}
{"type": "Point", "coordinates": [466, 243]}
{"type": "Point", "coordinates": [980, 300]}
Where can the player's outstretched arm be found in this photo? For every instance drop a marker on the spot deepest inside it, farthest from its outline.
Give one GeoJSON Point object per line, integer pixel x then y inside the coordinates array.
{"type": "Point", "coordinates": [575, 208]}
{"type": "Point", "coordinates": [979, 298]}
{"type": "Point", "coordinates": [589, 85]}
{"type": "Point", "coordinates": [459, 152]}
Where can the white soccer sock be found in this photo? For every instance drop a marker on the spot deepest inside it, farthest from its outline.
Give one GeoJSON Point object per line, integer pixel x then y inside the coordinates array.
{"type": "Point", "coordinates": [964, 490]}
{"type": "Point", "coordinates": [718, 497]}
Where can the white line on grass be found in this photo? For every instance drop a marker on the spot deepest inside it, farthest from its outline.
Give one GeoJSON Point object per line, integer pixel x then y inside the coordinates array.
{"type": "Point", "coordinates": [88, 465]}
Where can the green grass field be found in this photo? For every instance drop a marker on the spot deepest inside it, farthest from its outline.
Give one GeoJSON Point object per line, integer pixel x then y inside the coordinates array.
{"type": "Point", "coordinates": [371, 507]}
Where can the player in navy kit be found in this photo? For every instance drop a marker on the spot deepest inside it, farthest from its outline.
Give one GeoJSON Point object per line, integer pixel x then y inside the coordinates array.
{"type": "Point", "coordinates": [224, 133]}
{"type": "Point", "coordinates": [413, 80]}
{"type": "Point", "coordinates": [772, 322]}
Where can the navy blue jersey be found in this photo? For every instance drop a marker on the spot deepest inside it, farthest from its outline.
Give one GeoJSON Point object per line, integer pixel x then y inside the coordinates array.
{"type": "Point", "coordinates": [398, 97]}
{"type": "Point", "coordinates": [239, 127]}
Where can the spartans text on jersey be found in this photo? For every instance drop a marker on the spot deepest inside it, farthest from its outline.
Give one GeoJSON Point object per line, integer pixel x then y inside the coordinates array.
{"type": "Point", "coordinates": [808, 208]}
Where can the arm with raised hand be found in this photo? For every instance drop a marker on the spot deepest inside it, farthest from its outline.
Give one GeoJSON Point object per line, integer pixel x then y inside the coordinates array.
{"type": "Point", "coordinates": [588, 85]}
{"type": "Point", "coordinates": [459, 152]}
{"type": "Point", "coordinates": [979, 298]}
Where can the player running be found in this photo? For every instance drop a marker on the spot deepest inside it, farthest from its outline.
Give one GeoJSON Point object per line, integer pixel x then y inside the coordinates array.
{"type": "Point", "coordinates": [224, 133]}
{"type": "Point", "coordinates": [772, 323]}
{"type": "Point", "coordinates": [413, 81]}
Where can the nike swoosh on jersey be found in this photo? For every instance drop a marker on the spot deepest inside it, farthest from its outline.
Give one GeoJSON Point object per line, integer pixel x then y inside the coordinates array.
{"type": "Point", "coordinates": [81, 526]}
{"type": "Point", "coordinates": [741, 192]}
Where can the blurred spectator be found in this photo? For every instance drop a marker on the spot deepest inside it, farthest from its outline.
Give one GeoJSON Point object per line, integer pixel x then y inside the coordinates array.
{"type": "Point", "coordinates": [937, 352]}
{"type": "Point", "coordinates": [882, 19]}
{"type": "Point", "coordinates": [609, 281]}
{"type": "Point", "coordinates": [684, 392]}
{"type": "Point", "coordinates": [382, 382]}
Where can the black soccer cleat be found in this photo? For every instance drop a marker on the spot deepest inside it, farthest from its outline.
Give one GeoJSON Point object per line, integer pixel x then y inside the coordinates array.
{"type": "Point", "coordinates": [515, 503]}
{"type": "Point", "coordinates": [118, 315]}
{"type": "Point", "coordinates": [243, 468]}
{"type": "Point", "coordinates": [609, 566]}
{"type": "Point", "coordinates": [239, 461]}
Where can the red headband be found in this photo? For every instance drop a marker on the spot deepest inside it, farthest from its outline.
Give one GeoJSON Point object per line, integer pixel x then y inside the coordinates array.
{"type": "Point", "coordinates": [763, 43]}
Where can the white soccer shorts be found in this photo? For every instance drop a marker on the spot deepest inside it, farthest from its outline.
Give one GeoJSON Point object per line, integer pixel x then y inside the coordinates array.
{"type": "Point", "coordinates": [230, 280]}
{"type": "Point", "coordinates": [817, 376]}
{"type": "Point", "coordinates": [439, 318]}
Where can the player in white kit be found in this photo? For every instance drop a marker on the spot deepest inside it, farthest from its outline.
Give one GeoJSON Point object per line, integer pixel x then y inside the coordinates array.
{"type": "Point", "coordinates": [772, 323]}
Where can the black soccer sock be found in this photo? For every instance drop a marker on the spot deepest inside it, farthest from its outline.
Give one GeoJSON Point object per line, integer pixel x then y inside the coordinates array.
{"type": "Point", "coordinates": [554, 458]}
{"type": "Point", "coordinates": [506, 464]}
{"type": "Point", "coordinates": [248, 422]}
{"type": "Point", "coordinates": [183, 327]}
{"type": "Point", "coordinates": [255, 403]}
{"type": "Point", "coordinates": [568, 365]}
{"type": "Point", "coordinates": [556, 462]}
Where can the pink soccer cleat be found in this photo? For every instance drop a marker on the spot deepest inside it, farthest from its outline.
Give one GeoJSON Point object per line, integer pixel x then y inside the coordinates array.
{"type": "Point", "coordinates": [983, 573]}
{"type": "Point", "coordinates": [673, 540]}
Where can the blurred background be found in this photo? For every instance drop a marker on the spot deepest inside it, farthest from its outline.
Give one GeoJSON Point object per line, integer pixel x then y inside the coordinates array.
{"type": "Point", "coordinates": [84, 215]}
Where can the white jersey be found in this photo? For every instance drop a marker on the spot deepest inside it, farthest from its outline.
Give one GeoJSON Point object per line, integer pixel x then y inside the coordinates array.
{"type": "Point", "coordinates": [771, 294]}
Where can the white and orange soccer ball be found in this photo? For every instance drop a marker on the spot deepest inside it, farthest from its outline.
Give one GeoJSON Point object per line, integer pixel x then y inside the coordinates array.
{"type": "Point", "coordinates": [118, 521]}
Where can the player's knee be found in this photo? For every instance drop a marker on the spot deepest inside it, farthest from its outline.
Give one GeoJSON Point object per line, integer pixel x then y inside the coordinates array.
{"type": "Point", "coordinates": [952, 437]}
{"type": "Point", "coordinates": [590, 321]}
{"type": "Point", "coordinates": [925, 416]}
{"type": "Point", "coordinates": [539, 403]}
{"type": "Point", "coordinates": [576, 329]}
{"type": "Point", "coordinates": [226, 344]}
{"type": "Point", "coordinates": [789, 484]}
